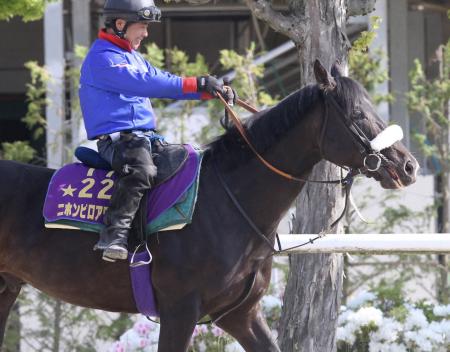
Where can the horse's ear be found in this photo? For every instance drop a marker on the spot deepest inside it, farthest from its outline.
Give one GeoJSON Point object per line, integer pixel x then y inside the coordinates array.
{"type": "Point", "coordinates": [323, 77]}
{"type": "Point", "coordinates": [337, 70]}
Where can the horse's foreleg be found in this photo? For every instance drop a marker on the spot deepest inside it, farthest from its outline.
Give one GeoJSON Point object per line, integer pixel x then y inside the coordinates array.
{"type": "Point", "coordinates": [250, 329]}
{"type": "Point", "coordinates": [8, 295]}
{"type": "Point", "coordinates": [177, 325]}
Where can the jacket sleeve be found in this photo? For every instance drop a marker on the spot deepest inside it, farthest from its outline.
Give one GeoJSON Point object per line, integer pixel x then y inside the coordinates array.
{"type": "Point", "coordinates": [111, 71]}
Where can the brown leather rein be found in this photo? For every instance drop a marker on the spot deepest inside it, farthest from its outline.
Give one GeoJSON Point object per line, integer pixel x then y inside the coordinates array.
{"type": "Point", "coordinates": [346, 182]}
{"type": "Point", "coordinates": [241, 129]}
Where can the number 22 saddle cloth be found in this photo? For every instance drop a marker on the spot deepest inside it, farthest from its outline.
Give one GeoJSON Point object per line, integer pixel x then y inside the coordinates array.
{"type": "Point", "coordinates": [78, 195]}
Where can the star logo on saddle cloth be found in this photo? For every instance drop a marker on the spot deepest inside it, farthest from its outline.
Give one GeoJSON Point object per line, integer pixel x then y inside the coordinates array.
{"type": "Point", "coordinates": [68, 191]}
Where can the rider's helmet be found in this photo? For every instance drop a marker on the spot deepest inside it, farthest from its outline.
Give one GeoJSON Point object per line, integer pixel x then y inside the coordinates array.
{"type": "Point", "coordinates": [130, 10]}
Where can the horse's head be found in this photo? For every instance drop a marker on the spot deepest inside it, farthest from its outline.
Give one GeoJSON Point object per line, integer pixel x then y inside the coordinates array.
{"type": "Point", "coordinates": [353, 135]}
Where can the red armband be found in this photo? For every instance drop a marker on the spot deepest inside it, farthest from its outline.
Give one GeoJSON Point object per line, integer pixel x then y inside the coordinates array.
{"type": "Point", "coordinates": [189, 85]}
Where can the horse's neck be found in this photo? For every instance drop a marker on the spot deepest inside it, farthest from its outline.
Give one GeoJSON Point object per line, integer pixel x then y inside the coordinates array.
{"type": "Point", "coordinates": [267, 196]}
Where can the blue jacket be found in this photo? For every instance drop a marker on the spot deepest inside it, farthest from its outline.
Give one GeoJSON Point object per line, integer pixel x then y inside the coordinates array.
{"type": "Point", "coordinates": [116, 84]}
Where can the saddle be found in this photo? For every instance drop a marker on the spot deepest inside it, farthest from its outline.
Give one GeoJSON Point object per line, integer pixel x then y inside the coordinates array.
{"type": "Point", "coordinates": [79, 193]}
{"type": "Point", "coordinates": [168, 158]}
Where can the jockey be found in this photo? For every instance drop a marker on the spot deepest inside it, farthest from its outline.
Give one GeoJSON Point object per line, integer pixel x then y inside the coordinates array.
{"type": "Point", "coordinates": [115, 86]}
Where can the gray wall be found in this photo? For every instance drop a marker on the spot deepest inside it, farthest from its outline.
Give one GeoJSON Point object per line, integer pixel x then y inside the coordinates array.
{"type": "Point", "coordinates": [412, 34]}
{"type": "Point", "coordinates": [21, 42]}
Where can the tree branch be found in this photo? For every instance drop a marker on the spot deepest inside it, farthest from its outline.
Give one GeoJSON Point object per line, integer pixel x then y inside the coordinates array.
{"type": "Point", "coordinates": [360, 7]}
{"type": "Point", "coordinates": [288, 26]}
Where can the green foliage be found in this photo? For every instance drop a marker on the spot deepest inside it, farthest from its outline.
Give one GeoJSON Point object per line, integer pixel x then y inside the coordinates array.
{"type": "Point", "coordinates": [81, 51]}
{"type": "Point", "coordinates": [365, 65]}
{"type": "Point", "coordinates": [210, 339]}
{"type": "Point", "coordinates": [180, 65]}
{"type": "Point", "coordinates": [177, 121]}
{"type": "Point", "coordinates": [427, 309]}
{"type": "Point", "coordinates": [35, 117]}
{"type": "Point", "coordinates": [36, 98]}
{"type": "Point", "coordinates": [155, 55]}
{"type": "Point", "coordinates": [11, 342]}
{"type": "Point", "coordinates": [29, 10]}
{"type": "Point", "coordinates": [18, 151]}
{"type": "Point", "coordinates": [62, 327]}
{"type": "Point", "coordinates": [390, 294]}
{"type": "Point", "coordinates": [73, 74]}
{"type": "Point", "coordinates": [430, 98]}
{"type": "Point", "coordinates": [115, 328]}
{"type": "Point", "coordinates": [247, 75]}
{"type": "Point", "coordinates": [394, 217]}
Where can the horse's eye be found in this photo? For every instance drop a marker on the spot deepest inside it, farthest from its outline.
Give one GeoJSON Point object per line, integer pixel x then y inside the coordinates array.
{"type": "Point", "coordinates": [358, 115]}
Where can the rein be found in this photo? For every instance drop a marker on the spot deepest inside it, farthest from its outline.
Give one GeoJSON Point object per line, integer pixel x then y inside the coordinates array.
{"type": "Point", "coordinates": [352, 128]}
{"type": "Point", "coordinates": [239, 126]}
{"type": "Point", "coordinates": [346, 182]}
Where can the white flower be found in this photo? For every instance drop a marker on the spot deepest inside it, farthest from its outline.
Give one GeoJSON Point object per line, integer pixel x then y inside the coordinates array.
{"type": "Point", "coordinates": [415, 320]}
{"type": "Point", "coordinates": [350, 322]}
{"type": "Point", "coordinates": [360, 299]}
{"type": "Point", "coordinates": [346, 334]}
{"type": "Point", "coordinates": [202, 346]}
{"type": "Point", "coordinates": [418, 341]}
{"type": "Point", "coordinates": [441, 311]}
{"type": "Point", "coordinates": [131, 340]}
{"type": "Point", "coordinates": [343, 316]}
{"type": "Point", "coordinates": [443, 328]}
{"type": "Point", "coordinates": [366, 315]}
{"type": "Point", "coordinates": [234, 347]}
{"type": "Point", "coordinates": [388, 331]}
{"type": "Point", "coordinates": [383, 347]}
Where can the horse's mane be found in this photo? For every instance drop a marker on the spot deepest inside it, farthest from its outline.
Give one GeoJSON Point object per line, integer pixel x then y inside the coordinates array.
{"type": "Point", "coordinates": [266, 127]}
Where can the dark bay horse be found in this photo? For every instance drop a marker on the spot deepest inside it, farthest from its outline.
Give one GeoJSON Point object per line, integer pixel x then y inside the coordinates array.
{"type": "Point", "coordinates": [209, 266]}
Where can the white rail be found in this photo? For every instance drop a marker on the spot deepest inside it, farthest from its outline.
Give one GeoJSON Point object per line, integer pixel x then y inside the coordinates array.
{"type": "Point", "coordinates": [370, 243]}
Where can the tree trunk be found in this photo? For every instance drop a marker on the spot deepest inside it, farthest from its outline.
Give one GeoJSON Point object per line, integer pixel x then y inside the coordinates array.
{"type": "Point", "coordinates": [312, 296]}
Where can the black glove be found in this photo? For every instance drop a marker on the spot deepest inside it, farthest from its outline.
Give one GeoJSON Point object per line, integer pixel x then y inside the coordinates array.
{"type": "Point", "coordinates": [230, 95]}
{"type": "Point", "coordinates": [209, 84]}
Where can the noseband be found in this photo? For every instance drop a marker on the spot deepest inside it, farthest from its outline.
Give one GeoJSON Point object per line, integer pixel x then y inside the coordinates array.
{"type": "Point", "coordinates": [370, 156]}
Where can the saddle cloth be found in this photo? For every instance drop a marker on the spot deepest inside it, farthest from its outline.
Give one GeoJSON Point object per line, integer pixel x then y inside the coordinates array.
{"type": "Point", "coordinates": [78, 195]}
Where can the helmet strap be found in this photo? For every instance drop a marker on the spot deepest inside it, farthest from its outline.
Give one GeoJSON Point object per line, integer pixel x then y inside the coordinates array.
{"type": "Point", "coordinates": [120, 34]}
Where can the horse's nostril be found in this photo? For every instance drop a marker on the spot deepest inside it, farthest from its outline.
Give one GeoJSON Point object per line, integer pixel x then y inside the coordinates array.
{"type": "Point", "coordinates": [409, 167]}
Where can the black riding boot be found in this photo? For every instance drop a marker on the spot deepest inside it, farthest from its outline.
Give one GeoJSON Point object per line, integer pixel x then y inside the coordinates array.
{"type": "Point", "coordinates": [132, 161]}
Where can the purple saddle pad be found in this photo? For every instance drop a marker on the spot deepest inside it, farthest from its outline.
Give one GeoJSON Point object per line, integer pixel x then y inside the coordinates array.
{"type": "Point", "coordinates": [77, 193]}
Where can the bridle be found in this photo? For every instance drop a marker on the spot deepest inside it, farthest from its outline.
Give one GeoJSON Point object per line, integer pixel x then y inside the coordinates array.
{"type": "Point", "coordinates": [358, 136]}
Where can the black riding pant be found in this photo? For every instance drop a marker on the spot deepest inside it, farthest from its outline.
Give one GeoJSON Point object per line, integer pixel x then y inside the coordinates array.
{"type": "Point", "coordinates": [131, 160]}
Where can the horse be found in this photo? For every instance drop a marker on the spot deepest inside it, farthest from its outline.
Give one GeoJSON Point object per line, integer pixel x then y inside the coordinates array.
{"type": "Point", "coordinates": [216, 265]}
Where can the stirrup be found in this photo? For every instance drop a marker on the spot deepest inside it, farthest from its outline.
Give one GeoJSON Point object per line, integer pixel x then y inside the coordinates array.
{"type": "Point", "coordinates": [134, 264]}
